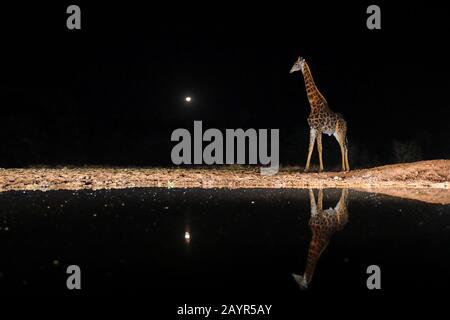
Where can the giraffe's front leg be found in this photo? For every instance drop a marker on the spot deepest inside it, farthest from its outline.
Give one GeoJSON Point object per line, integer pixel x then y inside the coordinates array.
{"type": "Point", "coordinates": [319, 148]}
{"type": "Point", "coordinates": [320, 201]}
{"type": "Point", "coordinates": [312, 140]}
{"type": "Point", "coordinates": [312, 202]}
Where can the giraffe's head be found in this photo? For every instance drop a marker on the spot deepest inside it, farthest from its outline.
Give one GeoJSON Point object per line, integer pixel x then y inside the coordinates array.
{"type": "Point", "coordinates": [298, 65]}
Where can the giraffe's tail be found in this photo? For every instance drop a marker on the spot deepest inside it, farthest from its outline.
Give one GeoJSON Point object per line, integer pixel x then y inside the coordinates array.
{"type": "Point", "coordinates": [301, 281]}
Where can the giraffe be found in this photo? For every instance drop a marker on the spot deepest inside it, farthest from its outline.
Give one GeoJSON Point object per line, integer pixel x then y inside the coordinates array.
{"type": "Point", "coordinates": [321, 118]}
{"type": "Point", "coordinates": [323, 224]}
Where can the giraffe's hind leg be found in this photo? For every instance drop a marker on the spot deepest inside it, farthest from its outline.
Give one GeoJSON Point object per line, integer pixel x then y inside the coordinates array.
{"type": "Point", "coordinates": [346, 156]}
{"type": "Point", "coordinates": [343, 200]}
{"type": "Point", "coordinates": [340, 134]}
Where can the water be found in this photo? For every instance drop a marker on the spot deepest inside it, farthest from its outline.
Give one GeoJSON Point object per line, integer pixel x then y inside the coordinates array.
{"type": "Point", "coordinates": [209, 243]}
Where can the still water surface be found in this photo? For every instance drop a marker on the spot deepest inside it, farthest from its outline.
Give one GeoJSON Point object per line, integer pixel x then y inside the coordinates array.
{"type": "Point", "coordinates": [252, 242]}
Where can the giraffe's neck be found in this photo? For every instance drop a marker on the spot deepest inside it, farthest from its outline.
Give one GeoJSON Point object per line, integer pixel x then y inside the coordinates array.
{"type": "Point", "coordinates": [317, 245]}
{"type": "Point", "coordinates": [315, 98]}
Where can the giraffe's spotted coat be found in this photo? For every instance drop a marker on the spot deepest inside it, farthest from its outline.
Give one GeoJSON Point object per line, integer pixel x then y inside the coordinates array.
{"type": "Point", "coordinates": [323, 224]}
{"type": "Point", "coordinates": [321, 118]}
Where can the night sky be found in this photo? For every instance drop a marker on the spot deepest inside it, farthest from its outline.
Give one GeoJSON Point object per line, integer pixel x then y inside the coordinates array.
{"type": "Point", "coordinates": [113, 92]}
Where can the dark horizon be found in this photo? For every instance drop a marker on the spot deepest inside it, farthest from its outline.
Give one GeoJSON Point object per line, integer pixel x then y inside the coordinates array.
{"type": "Point", "coordinates": [112, 92]}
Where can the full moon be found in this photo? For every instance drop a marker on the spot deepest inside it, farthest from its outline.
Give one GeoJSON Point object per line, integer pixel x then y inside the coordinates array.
{"type": "Point", "coordinates": [188, 99]}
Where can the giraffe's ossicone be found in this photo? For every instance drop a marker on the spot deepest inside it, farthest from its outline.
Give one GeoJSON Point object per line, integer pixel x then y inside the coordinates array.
{"type": "Point", "coordinates": [321, 118]}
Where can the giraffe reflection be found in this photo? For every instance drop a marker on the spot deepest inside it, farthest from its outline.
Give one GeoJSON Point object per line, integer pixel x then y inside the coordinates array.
{"type": "Point", "coordinates": [323, 224]}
